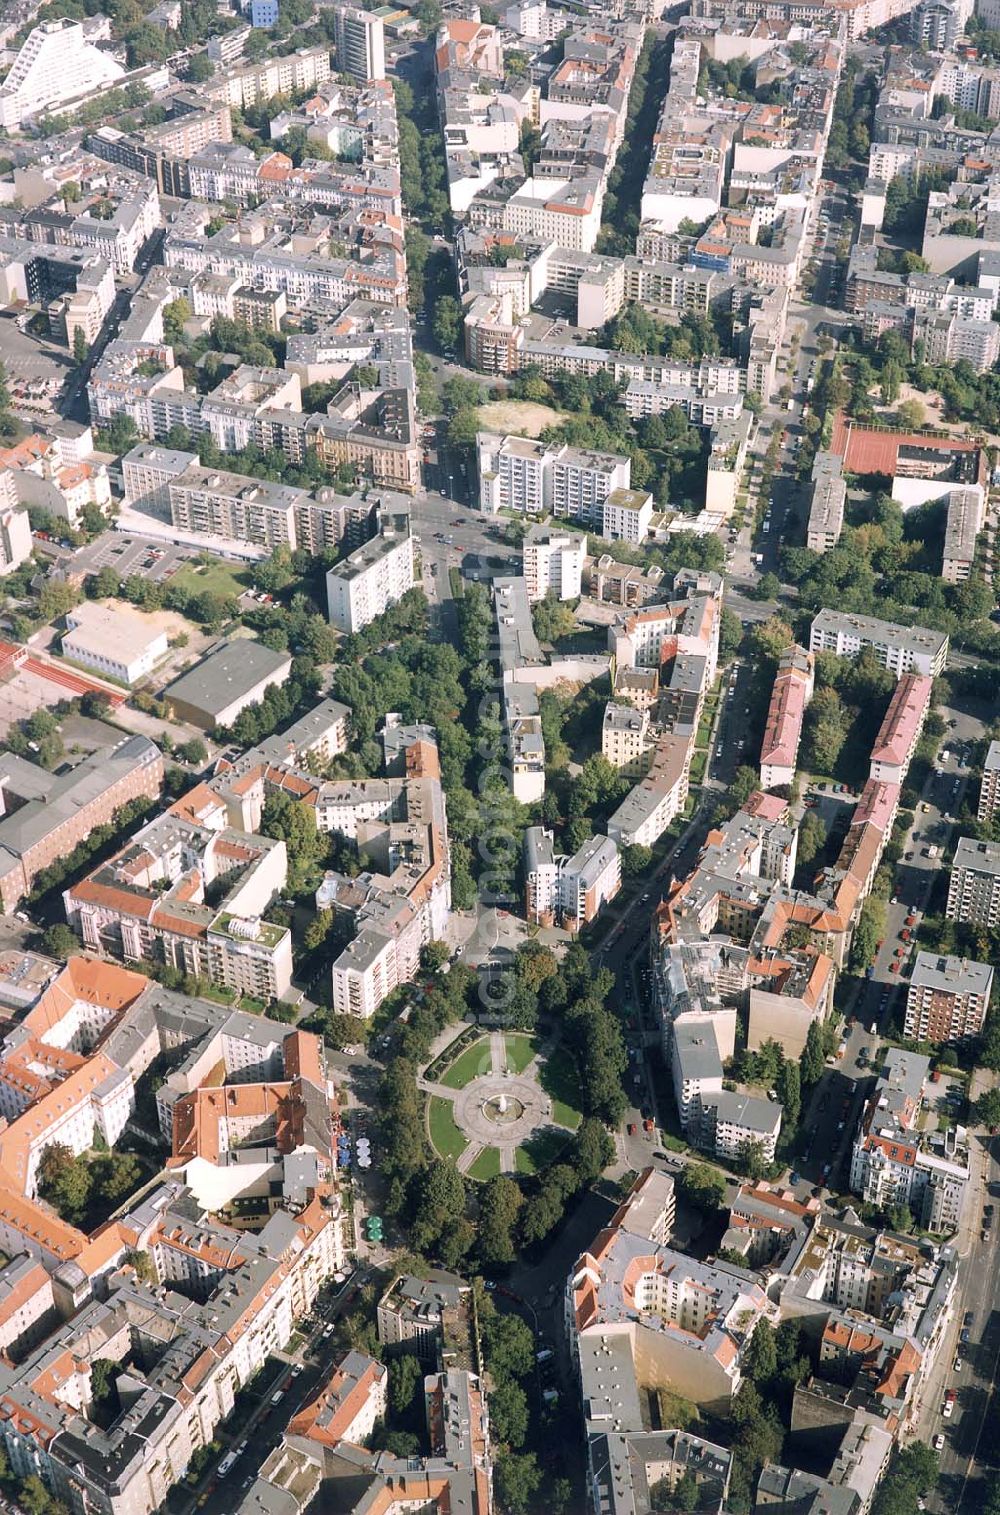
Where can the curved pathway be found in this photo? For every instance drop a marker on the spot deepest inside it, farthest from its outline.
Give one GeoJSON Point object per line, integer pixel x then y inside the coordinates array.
{"type": "Point", "coordinates": [476, 1113]}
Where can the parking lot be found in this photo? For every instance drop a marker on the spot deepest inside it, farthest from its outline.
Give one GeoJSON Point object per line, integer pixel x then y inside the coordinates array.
{"type": "Point", "coordinates": [36, 369]}
{"type": "Point", "coordinates": [128, 554]}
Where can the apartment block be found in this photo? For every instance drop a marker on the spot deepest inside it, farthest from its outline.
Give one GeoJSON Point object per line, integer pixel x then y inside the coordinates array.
{"type": "Point", "coordinates": [901, 649]}
{"type": "Point", "coordinates": [792, 691]}
{"type": "Point", "coordinates": [55, 65]}
{"type": "Point", "coordinates": [696, 1069]}
{"type": "Point", "coordinates": [359, 37]}
{"type": "Point", "coordinates": [536, 478]}
{"type": "Point", "coordinates": [989, 786]}
{"type": "Point", "coordinates": [374, 576]}
{"type": "Point", "coordinates": [734, 1123]}
{"type": "Point", "coordinates": [249, 1290]}
{"type": "Point", "coordinates": [425, 1316]}
{"type": "Point", "coordinates": [16, 545]}
{"type": "Point", "coordinates": [234, 508]}
{"type": "Point", "coordinates": [402, 901]}
{"type": "Point", "coordinates": [626, 516]}
{"type": "Point", "coordinates": [251, 83]}
{"type": "Point", "coordinates": [826, 508]}
{"type": "Point", "coordinates": [974, 887]}
{"type": "Point", "coordinates": [900, 731]}
{"type": "Point", "coordinates": [56, 812]}
{"type": "Point", "coordinates": [947, 998]}
{"type": "Point", "coordinates": [147, 471]}
{"type": "Point", "coordinates": [640, 1313]}
{"type": "Point", "coordinates": [553, 562]}
{"type": "Point", "coordinates": [626, 740]}
{"type": "Point", "coordinates": [568, 891]}
{"type": "Point", "coordinates": [150, 899]}
{"type": "Point", "coordinates": [964, 521]}
{"type": "Point", "coordinates": [896, 1161]}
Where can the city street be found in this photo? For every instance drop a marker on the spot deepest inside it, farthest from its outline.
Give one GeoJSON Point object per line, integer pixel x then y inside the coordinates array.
{"type": "Point", "coordinates": [296, 1377]}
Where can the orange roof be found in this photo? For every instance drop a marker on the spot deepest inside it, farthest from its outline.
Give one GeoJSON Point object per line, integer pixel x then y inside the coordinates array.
{"type": "Point", "coordinates": [303, 1056]}
{"type": "Point", "coordinates": [106, 1247]}
{"type": "Point", "coordinates": [29, 1130]}
{"type": "Point", "coordinates": [343, 1399]}
{"type": "Point", "coordinates": [196, 804]}
{"type": "Point", "coordinates": [90, 891]}
{"type": "Point", "coordinates": [39, 1226]}
{"type": "Point", "coordinates": [89, 979]}
{"type": "Point", "coordinates": [33, 1282]}
{"type": "Point", "coordinates": [29, 450]}
{"type": "Point", "coordinates": [463, 31]}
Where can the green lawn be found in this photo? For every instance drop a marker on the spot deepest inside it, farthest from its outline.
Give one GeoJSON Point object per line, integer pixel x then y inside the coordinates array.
{"type": "Point", "coordinates": [486, 1165]}
{"type": "Point", "coordinates": [217, 577]}
{"type": "Point", "coordinates": [446, 1138]}
{"type": "Point", "coordinates": [540, 1150]}
{"type": "Point", "coordinates": [470, 1064]}
{"type": "Point", "coordinates": [520, 1049]}
{"type": "Point", "coordinates": [558, 1079]}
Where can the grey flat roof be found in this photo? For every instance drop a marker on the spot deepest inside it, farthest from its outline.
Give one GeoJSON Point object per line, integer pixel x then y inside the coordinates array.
{"type": "Point", "coordinates": [983, 857]}
{"type": "Point", "coordinates": [227, 673]}
{"type": "Point", "coordinates": [747, 1110]}
{"type": "Point", "coordinates": [951, 975]}
{"type": "Point", "coordinates": [696, 1048]}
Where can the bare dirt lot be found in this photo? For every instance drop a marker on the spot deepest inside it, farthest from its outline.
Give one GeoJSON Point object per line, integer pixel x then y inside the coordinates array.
{"type": "Point", "coordinates": [523, 417]}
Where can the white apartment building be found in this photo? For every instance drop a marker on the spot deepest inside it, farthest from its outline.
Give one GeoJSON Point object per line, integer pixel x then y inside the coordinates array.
{"type": "Point", "coordinates": [627, 516]}
{"type": "Point", "coordinates": [253, 82]}
{"type": "Point", "coordinates": [553, 563]}
{"type": "Point", "coordinates": [564, 211]}
{"type": "Point", "coordinates": [234, 507]}
{"type": "Point", "coordinates": [513, 474]}
{"type": "Point", "coordinates": [147, 471]}
{"type": "Point", "coordinates": [117, 642]}
{"type": "Point", "coordinates": [373, 577]}
{"type": "Point", "coordinates": [15, 536]}
{"type": "Point", "coordinates": [625, 739]}
{"type": "Point", "coordinates": [901, 649]}
{"type": "Point", "coordinates": [541, 875]}
{"type": "Point", "coordinates": [360, 43]}
{"type": "Point", "coordinates": [583, 481]}
{"type": "Point", "coordinates": [989, 789]}
{"type": "Point", "coordinates": [56, 64]}
{"type": "Point", "coordinates": [534, 478]}
{"type": "Point", "coordinates": [588, 880]}
{"type": "Point", "coordinates": [741, 1121]}
{"type": "Point", "coordinates": [696, 1068]}
{"type": "Point", "coordinates": [568, 891]}
{"type": "Point", "coordinates": [364, 974]}
{"type": "Point", "coordinates": [974, 888]}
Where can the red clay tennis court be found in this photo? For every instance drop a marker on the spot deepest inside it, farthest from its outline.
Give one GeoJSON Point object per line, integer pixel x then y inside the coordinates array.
{"type": "Point", "coordinates": [867, 450]}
